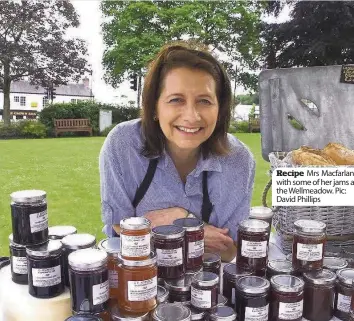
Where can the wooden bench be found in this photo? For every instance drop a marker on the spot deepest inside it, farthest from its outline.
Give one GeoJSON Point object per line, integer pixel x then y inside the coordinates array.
{"type": "Point", "coordinates": [254, 124]}
{"type": "Point", "coordinates": [72, 125]}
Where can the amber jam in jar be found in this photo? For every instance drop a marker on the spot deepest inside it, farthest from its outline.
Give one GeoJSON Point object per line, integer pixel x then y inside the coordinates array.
{"type": "Point", "coordinates": [204, 290]}
{"type": "Point", "coordinates": [45, 269]}
{"type": "Point", "coordinates": [119, 315]}
{"type": "Point", "coordinates": [112, 247]}
{"type": "Point", "coordinates": [137, 284]}
{"type": "Point", "coordinates": [194, 241]}
{"type": "Point", "coordinates": [252, 298]}
{"type": "Point", "coordinates": [29, 217]}
{"type": "Point", "coordinates": [334, 263]}
{"type": "Point", "coordinates": [319, 294]}
{"type": "Point", "coordinates": [179, 289]}
{"type": "Point", "coordinates": [278, 267]}
{"type": "Point", "coordinates": [135, 238]}
{"type": "Point", "coordinates": [211, 263]}
{"type": "Point", "coordinates": [308, 245]}
{"type": "Point", "coordinates": [252, 245]}
{"type": "Point", "coordinates": [59, 231]}
{"type": "Point", "coordinates": [18, 260]}
{"type": "Point", "coordinates": [344, 293]}
{"type": "Point", "coordinates": [168, 243]}
{"type": "Point", "coordinates": [171, 312]}
{"type": "Point", "coordinates": [223, 314]}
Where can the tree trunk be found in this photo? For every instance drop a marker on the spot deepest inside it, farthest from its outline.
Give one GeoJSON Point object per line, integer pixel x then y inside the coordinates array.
{"type": "Point", "coordinates": [6, 90]}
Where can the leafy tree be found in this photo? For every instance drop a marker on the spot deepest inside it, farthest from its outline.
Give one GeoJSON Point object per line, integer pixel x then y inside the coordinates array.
{"type": "Point", "coordinates": [33, 45]}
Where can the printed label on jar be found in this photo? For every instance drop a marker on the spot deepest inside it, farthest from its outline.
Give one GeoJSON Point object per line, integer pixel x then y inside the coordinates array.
{"type": "Point", "coordinates": [19, 265]}
{"type": "Point", "coordinates": [39, 221]}
{"type": "Point", "coordinates": [290, 311]}
{"type": "Point", "coordinates": [254, 249]}
{"type": "Point", "coordinates": [195, 249]}
{"type": "Point", "coordinates": [142, 290]}
{"type": "Point", "coordinates": [46, 277]}
{"type": "Point", "coordinates": [257, 314]}
{"type": "Point", "coordinates": [343, 303]}
{"type": "Point", "coordinates": [172, 257]}
{"type": "Point", "coordinates": [100, 293]}
{"type": "Point", "coordinates": [113, 279]}
{"type": "Point", "coordinates": [309, 252]}
{"type": "Point", "coordinates": [135, 246]}
{"type": "Point", "coordinates": [200, 298]}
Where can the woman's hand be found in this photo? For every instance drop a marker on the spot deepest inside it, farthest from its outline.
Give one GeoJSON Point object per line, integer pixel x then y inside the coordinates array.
{"type": "Point", "coordinates": [165, 216]}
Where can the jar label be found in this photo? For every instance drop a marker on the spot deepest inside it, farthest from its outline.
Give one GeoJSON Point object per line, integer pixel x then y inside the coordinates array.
{"type": "Point", "coordinates": [195, 249]}
{"type": "Point", "coordinates": [135, 246]}
{"type": "Point", "coordinates": [113, 279]}
{"type": "Point", "coordinates": [19, 265]}
{"type": "Point", "coordinates": [309, 252]}
{"type": "Point", "coordinates": [100, 293]}
{"type": "Point", "coordinates": [343, 303]}
{"type": "Point", "coordinates": [43, 278]}
{"type": "Point", "coordinates": [290, 311]}
{"type": "Point", "coordinates": [254, 249]}
{"type": "Point", "coordinates": [257, 314]}
{"type": "Point", "coordinates": [39, 221]}
{"type": "Point", "coordinates": [200, 298]}
{"type": "Point", "coordinates": [142, 290]}
{"type": "Point", "coordinates": [171, 257]}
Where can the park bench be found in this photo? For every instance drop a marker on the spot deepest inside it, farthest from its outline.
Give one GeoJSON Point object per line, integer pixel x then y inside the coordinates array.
{"type": "Point", "coordinates": [254, 124]}
{"type": "Point", "coordinates": [72, 125]}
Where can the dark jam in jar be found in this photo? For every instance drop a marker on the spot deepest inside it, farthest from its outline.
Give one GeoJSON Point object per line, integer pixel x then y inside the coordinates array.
{"type": "Point", "coordinates": [18, 259]}
{"type": "Point", "coordinates": [308, 245]}
{"type": "Point", "coordinates": [179, 289]}
{"type": "Point", "coordinates": [319, 294]}
{"type": "Point", "coordinates": [344, 293]}
{"type": "Point", "coordinates": [83, 317]}
{"type": "Point", "coordinates": [45, 270]}
{"type": "Point", "coordinates": [29, 217]}
{"type": "Point", "coordinates": [88, 276]}
{"type": "Point", "coordinates": [60, 231]}
{"type": "Point", "coordinates": [334, 263]}
{"type": "Point", "coordinates": [223, 314]}
{"type": "Point", "coordinates": [168, 243]}
{"type": "Point", "coordinates": [204, 291]}
{"type": "Point", "coordinates": [287, 294]}
{"type": "Point", "coordinates": [211, 263]}
{"type": "Point", "coordinates": [194, 242]}
{"type": "Point", "coordinates": [252, 298]}
{"type": "Point", "coordinates": [278, 267]}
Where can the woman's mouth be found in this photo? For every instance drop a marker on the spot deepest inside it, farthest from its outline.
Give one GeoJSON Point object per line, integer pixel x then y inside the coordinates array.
{"type": "Point", "coordinates": [189, 130]}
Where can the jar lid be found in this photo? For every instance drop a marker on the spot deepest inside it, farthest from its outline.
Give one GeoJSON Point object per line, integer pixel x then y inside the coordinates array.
{"type": "Point", "coordinates": [221, 300]}
{"type": "Point", "coordinates": [190, 224]}
{"type": "Point", "coordinates": [28, 196]}
{"type": "Point", "coordinates": [346, 276]}
{"type": "Point", "coordinates": [252, 285]}
{"type": "Point", "coordinates": [197, 315]}
{"type": "Point", "coordinates": [13, 244]}
{"type": "Point", "coordinates": [234, 272]}
{"type": "Point", "coordinates": [255, 226]}
{"type": "Point", "coordinates": [111, 245]}
{"type": "Point", "coordinates": [280, 266]}
{"type": "Point", "coordinates": [310, 226]}
{"type": "Point", "coordinates": [334, 263]}
{"type": "Point", "coordinates": [50, 248]}
{"type": "Point", "coordinates": [118, 315]}
{"type": "Point", "coordinates": [182, 284]}
{"type": "Point", "coordinates": [135, 223]}
{"type": "Point", "coordinates": [211, 258]}
{"type": "Point", "coordinates": [78, 241]}
{"type": "Point", "coordinates": [323, 277]}
{"type": "Point", "coordinates": [168, 232]}
{"type": "Point", "coordinates": [87, 259]}
{"type": "Point", "coordinates": [171, 312]}
{"type": "Point", "coordinates": [59, 231]}
{"type": "Point", "coordinates": [162, 294]}
{"type": "Point", "coordinates": [287, 283]}
{"type": "Point", "coordinates": [261, 212]}
{"type": "Point", "coordinates": [83, 317]}
{"type": "Point", "coordinates": [149, 261]}
{"type": "Point", "coordinates": [223, 314]}
{"type": "Point", "coordinates": [206, 279]}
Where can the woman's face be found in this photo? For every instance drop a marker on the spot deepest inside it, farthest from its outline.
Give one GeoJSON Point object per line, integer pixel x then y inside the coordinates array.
{"type": "Point", "coordinates": [187, 108]}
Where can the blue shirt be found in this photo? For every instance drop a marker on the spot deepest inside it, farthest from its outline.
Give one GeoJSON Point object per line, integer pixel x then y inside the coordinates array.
{"type": "Point", "coordinates": [122, 169]}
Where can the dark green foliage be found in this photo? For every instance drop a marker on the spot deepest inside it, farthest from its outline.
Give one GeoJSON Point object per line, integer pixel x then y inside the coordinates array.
{"type": "Point", "coordinates": [23, 129]}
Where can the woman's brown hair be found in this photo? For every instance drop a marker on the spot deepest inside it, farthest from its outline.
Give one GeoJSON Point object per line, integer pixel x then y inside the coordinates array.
{"type": "Point", "coordinates": [193, 56]}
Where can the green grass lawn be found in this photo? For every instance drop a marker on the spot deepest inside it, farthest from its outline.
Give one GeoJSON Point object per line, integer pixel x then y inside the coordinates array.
{"type": "Point", "coordinates": [67, 169]}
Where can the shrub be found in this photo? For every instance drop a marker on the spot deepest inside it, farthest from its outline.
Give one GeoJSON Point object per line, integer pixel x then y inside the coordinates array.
{"type": "Point", "coordinates": [106, 131]}
{"type": "Point", "coordinates": [239, 126]}
{"type": "Point", "coordinates": [23, 129]}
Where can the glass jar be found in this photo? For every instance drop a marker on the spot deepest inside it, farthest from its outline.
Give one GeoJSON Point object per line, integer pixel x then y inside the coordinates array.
{"type": "Point", "coordinates": [29, 217]}
{"type": "Point", "coordinates": [135, 238]}
{"type": "Point", "coordinates": [197, 315]}
{"type": "Point", "coordinates": [212, 263]}
{"type": "Point", "coordinates": [59, 231]}
{"type": "Point", "coordinates": [168, 243]}
{"type": "Point", "coordinates": [88, 276]}
{"type": "Point", "coordinates": [194, 242]}
{"type": "Point", "coordinates": [223, 314]}
{"type": "Point", "coordinates": [204, 291]}
{"type": "Point", "coordinates": [319, 294]}
{"type": "Point", "coordinates": [137, 284]}
{"type": "Point", "coordinates": [334, 263]}
{"type": "Point", "coordinates": [287, 298]}
{"type": "Point", "coordinates": [252, 298]}
{"type": "Point", "coordinates": [289, 257]}
{"type": "Point", "coordinates": [119, 315]}
{"type": "Point", "coordinates": [222, 301]}
{"type": "Point", "coordinates": [112, 247]}
{"type": "Point", "coordinates": [18, 260]}
{"type": "Point", "coordinates": [262, 213]}
{"type": "Point", "coordinates": [308, 245]}
{"type": "Point", "coordinates": [344, 293]}
{"type": "Point", "coordinates": [83, 317]}
{"type": "Point", "coordinates": [180, 289]}
{"type": "Point", "coordinates": [171, 312]}
{"type": "Point", "coordinates": [348, 254]}
{"type": "Point", "coordinates": [278, 267]}
{"type": "Point", "coordinates": [162, 294]}
{"type": "Point", "coordinates": [45, 270]}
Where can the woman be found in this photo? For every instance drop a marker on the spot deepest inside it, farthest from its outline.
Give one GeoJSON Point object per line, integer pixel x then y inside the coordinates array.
{"type": "Point", "coordinates": [178, 158]}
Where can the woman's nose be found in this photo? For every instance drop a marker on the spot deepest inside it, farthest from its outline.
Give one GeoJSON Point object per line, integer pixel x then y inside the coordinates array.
{"type": "Point", "coordinates": [191, 112]}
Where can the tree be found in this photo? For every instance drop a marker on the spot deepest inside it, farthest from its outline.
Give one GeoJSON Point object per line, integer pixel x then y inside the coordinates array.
{"type": "Point", "coordinates": [33, 45]}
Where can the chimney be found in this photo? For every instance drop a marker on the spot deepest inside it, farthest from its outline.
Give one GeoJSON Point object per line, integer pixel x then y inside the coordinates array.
{"type": "Point", "coordinates": [86, 82]}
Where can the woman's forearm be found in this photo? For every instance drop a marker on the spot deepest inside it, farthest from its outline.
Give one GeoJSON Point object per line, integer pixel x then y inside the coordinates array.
{"type": "Point", "coordinates": [229, 254]}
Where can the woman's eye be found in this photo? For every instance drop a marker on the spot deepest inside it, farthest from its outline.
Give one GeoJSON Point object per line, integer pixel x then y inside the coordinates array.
{"type": "Point", "coordinates": [205, 101]}
{"type": "Point", "coordinates": [175, 100]}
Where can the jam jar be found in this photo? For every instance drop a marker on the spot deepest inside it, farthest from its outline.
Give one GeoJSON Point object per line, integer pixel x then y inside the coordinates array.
{"type": "Point", "coordinates": [197, 315]}
{"type": "Point", "coordinates": [168, 243]}
{"type": "Point", "coordinates": [334, 263]}
{"type": "Point", "coordinates": [180, 289]}
{"type": "Point", "coordinates": [137, 284]}
{"type": "Point", "coordinates": [277, 267]}
{"type": "Point", "coordinates": [308, 245]}
{"type": "Point", "coordinates": [252, 245]}
{"type": "Point", "coordinates": [119, 315]}
{"type": "Point", "coordinates": [45, 269]}
{"type": "Point", "coordinates": [344, 293]}
{"type": "Point", "coordinates": [18, 259]}
{"type": "Point", "coordinates": [171, 311]}
{"type": "Point", "coordinates": [204, 291]}
{"type": "Point", "coordinates": [223, 314]}
{"type": "Point", "coordinates": [83, 317]}
{"type": "Point", "coordinates": [59, 231]}
{"type": "Point", "coordinates": [29, 217]}
{"type": "Point", "coordinates": [135, 238]}
{"type": "Point", "coordinates": [222, 301]}
{"type": "Point", "coordinates": [162, 294]}
{"type": "Point", "coordinates": [211, 263]}
{"type": "Point", "coordinates": [88, 276]}
{"type": "Point", "coordinates": [112, 247]}
{"type": "Point", "coordinates": [287, 298]}
{"type": "Point", "coordinates": [319, 294]}
{"type": "Point", "coordinates": [262, 213]}
{"type": "Point", "coordinates": [194, 241]}
{"type": "Point", "coordinates": [348, 254]}
{"type": "Point", "coordinates": [252, 298]}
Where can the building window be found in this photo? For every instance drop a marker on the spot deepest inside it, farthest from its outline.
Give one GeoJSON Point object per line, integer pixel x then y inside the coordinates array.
{"type": "Point", "coordinates": [22, 101]}
{"type": "Point", "coordinates": [45, 102]}
{"type": "Point", "coordinates": [16, 99]}
{"type": "Point", "coordinates": [74, 100]}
